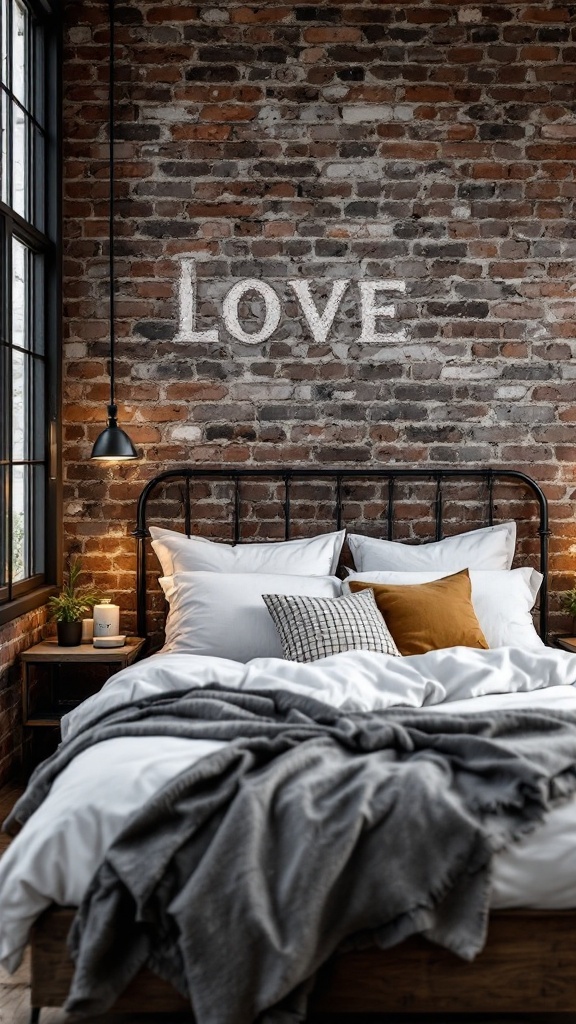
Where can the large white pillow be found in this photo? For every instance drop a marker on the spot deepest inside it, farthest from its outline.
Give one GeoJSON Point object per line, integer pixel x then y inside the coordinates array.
{"type": "Point", "coordinates": [223, 614]}
{"type": "Point", "coordinates": [503, 601]}
{"type": "Point", "coordinates": [489, 548]}
{"type": "Point", "coordinates": [306, 556]}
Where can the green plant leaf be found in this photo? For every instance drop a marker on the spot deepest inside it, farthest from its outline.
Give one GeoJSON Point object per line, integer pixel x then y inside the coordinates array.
{"type": "Point", "coordinates": [74, 600]}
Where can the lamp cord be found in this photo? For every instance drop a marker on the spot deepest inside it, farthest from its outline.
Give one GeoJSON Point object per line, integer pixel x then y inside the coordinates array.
{"type": "Point", "coordinates": [111, 194]}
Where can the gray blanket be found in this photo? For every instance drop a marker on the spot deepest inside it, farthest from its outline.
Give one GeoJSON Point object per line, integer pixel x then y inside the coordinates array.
{"type": "Point", "coordinates": [312, 827]}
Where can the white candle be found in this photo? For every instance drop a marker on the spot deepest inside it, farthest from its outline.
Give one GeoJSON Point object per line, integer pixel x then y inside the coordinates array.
{"type": "Point", "coordinates": [87, 630]}
{"type": "Point", "coordinates": [106, 619]}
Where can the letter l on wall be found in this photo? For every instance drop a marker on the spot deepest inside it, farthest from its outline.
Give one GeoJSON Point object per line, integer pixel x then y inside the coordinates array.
{"type": "Point", "coordinates": [187, 329]}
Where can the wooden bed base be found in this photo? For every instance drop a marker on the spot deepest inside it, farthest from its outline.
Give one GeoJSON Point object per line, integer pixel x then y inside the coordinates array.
{"type": "Point", "coordinates": [527, 966]}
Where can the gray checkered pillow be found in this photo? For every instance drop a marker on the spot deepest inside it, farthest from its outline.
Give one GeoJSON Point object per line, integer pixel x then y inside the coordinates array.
{"type": "Point", "coordinates": [316, 627]}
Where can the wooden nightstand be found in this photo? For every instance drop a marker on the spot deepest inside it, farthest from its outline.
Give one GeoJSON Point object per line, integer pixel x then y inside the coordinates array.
{"type": "Point", "coordinates": [566, 643]}
{"type": "Point", "coordinates": [56, 679]}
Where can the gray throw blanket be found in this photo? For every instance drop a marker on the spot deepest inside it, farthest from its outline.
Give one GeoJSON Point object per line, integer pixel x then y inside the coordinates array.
{"type": "Point", "coordinates": [313, 826]}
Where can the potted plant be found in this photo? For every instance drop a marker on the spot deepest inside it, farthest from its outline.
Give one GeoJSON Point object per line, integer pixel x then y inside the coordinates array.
{"type": "Point", "coordinates": [569, 604]}
{"type": "Point", "coordinates": [68, 607]}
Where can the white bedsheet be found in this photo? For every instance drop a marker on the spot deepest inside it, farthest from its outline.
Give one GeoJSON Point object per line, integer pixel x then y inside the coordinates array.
{"type": "Point", "coordinates": [55, 855]}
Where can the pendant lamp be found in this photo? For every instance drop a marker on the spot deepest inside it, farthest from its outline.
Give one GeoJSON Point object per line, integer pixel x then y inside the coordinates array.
{"type": "Point", "coordinates": [113, 443]}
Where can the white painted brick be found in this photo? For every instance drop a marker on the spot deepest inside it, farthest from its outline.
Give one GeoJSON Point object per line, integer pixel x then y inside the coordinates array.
{"type": "Point", "coordinates": [175, 113]}
{"type": "Point", "coordinates": [214, 16]}
{"type": "Point", "coordinates": [357, 168]}
{"type": "Point", "coordinates": [316, 113]}
{"type": "Point", "coordinates": [80, 34]}
{"type": "Point", "coordinates": [558, 131]}
{"type": "Point", "coordinates": [270, 115]}
{"type": "Point", "coordinates": [254, 390]}
{"type": "Point", "coordinates": [512, 391]}
{"type": "Point", "coordinates": [469, 15]}
{"type": "Point", "coordinates": [410, 352]}
{"type": "Point", "coordinates": [380, 230]}
{"type": "Point", "coordinates": [335, 92]}
{"type": "Point", "coordinates": [75, 350]}
{"type": "Point", "coordinates": [403, 112]}
{"type": "Point", "coordinates": [185, 432]}
{"type": "Point", "coordinates": [474, 371]}
{"type": "Point", "coordinates": [357, 113]}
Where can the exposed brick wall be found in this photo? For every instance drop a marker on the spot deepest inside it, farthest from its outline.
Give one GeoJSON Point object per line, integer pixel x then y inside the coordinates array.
{"type": "Point", "coordinates": [428, 142]}
{"type": "Point", "coordinates": [17, 636]}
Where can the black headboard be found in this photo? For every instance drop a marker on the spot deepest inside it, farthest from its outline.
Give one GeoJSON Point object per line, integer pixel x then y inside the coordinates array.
{"type": "Point", "coordinates": [338, 478]}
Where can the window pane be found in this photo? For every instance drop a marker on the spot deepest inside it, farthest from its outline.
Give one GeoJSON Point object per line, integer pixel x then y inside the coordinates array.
{"type": "Point", "coordinates": [28, 430]}
{"type": "Point", "coordinates": [27, 407]}
{"type": "Point", "coordinates": [4, 403]}
{"type": "Point", "coordinates": [19, 160]}
{"type": "Point", "coordinates": [19, 54]}
{"type": "Point", "coordinates": [5, 158]}
{"type": "Point", "coordinates": [20, 405]}
{"type": "Point", "coordinates": [3, 527]}
{"type": "Point", "coordinates": [20, 288]}
{"type": "Point", "coordinates": [18, 525]}
{"type": "Point", "coordinates": [4, 40]}
{"type": "Point", "coordinates": [28, 516]}
{"type": "Point", "coordinates": [25, 110]}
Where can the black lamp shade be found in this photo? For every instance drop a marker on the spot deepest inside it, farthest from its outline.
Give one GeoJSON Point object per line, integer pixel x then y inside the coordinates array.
{"type": "Point", "coordinates": [113, 443]}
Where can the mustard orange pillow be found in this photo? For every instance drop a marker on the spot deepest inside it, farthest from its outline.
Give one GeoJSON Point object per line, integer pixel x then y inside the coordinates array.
{"type": "Point", "coordinates": [427, 616]}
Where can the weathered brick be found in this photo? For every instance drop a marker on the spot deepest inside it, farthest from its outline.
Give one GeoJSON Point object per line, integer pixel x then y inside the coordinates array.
{"type": "Point", "coordinates": [432, 143]}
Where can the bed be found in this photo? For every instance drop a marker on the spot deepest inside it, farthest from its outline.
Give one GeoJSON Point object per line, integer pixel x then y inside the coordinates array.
{"type": "Point", "coordinates": [528, 963]}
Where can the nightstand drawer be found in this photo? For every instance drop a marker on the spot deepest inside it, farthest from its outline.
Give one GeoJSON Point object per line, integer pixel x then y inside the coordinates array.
{"type": "Point", "coordinates": [57, 679]}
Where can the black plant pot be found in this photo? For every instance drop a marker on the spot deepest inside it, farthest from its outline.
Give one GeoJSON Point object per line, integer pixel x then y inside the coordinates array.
{"type": "Point", "coordinates": [69, 634]}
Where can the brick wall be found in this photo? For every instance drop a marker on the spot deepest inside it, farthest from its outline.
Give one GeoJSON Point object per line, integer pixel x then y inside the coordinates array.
{"type": "Point", "coordinates": [14, 638]}
{"type": "Point", "coordinates": [432, 143]}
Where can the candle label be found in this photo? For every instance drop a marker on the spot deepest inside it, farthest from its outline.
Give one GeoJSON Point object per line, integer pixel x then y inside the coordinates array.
{"type": "Point", "coordinates": [106, 619]}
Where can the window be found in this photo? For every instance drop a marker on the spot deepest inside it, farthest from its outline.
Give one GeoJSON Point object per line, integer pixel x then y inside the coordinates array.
{"type": "Point", "coordinates": [29, 289]}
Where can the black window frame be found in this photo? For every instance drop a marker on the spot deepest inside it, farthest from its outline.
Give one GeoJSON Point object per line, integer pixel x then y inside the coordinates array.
{"type": "Point", "coordinates": [21, 596]}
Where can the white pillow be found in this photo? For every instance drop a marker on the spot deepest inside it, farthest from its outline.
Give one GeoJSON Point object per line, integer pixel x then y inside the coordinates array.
{"type": "Point", "coordinates": [489, 548]}
{"type": "Point", "coordinates": [306, 556]}
{"type": "Point", "coordinates": [502, 601]}
{"type": "Point", "coordinates": [223, 614]}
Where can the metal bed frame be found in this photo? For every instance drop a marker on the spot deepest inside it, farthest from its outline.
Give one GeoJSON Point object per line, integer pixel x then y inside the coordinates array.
{"type": "Point", "coordinates": [286, 476]}
{"type": "Point", "coordinates": [518, 971]}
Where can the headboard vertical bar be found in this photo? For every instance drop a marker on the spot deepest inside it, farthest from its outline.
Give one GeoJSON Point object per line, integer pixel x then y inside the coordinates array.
{"type": "Point", "coordinates": [390, 515]}
{"type": "Point", "coordinates": [439, 508]}
{"type": "Point", "coordinates": [544, 532]}
{"type": "Point", "coordinates": [287, 481]}
{"type": "Point", "coordinates": [491, 499]}
{"type": "Point", "coordinates": [544, 587]}
{"type": "Point", "coordinates": [338, 502]}
{"type": "Point", "coordinates": [141, 589]}
{"type": "Point", "coordinates": [236, 509]}
{"type": "Point", "coordinates": [187, 510]}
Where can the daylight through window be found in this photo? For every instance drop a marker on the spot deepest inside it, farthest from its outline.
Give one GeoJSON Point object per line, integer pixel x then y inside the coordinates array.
{"type": "Point", "coordinates": [28, 259]}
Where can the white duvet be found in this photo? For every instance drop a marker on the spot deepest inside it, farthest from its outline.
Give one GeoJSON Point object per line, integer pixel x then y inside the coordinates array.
{"type": "Point", "coordinates": [56, 853]}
